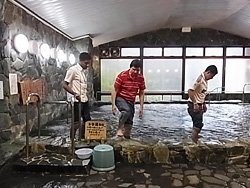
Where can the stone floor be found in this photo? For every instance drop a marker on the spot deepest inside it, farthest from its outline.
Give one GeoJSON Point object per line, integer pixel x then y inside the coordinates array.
{"type": "Point", "coordinates": [138, 176]}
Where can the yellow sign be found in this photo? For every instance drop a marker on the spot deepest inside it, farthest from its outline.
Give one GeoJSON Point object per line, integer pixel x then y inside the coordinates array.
{"type": "Point", "coordinates": [96, 130]}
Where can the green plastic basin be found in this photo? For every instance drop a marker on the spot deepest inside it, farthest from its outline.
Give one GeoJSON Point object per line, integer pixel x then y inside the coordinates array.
{"type": "Point", "coordinates": [103, 158]}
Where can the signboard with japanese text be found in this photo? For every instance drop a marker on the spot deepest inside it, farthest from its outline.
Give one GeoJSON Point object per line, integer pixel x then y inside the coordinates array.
{"type": "Point", "coordinates": [13, 84]}
{"type": "Point", "coordinates": [96, 130]}
{"type": "Point", "coordinates": [1, 90]}
{"type": "Point", "coordinates": [28, 86]}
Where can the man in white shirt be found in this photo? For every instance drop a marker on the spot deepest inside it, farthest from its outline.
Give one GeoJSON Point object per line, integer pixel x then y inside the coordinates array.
{"type": "Point", "coordinates": [75, 82]}
{"type": "Point", "coordinates": [196, 101]}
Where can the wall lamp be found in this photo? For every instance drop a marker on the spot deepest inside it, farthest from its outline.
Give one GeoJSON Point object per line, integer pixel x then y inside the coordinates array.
{"type": "Point", "coordinates": [53, 53]}
{"type": "Point", "coordinates": [21, 43]}
{"type": "Point", "coordinates": [33, 47]}
{"type": "Point", "coordinates": [45, 50]}
{"type": "Point", "coordinates": [61, 56]}
{"type": "Point", "coordinates": [72, 59]}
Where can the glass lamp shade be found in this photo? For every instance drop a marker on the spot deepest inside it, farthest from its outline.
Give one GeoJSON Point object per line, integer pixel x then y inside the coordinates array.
{"type": "Point", "coordinates": [61, 56]}
{"type": "Point", "coordinates": [33, 47]}
{"type": "Point", "coordinates": [53, 53]}
{"type": "Point", "coordinates": [21, 43]}
{"type": "Point", "coordinates": [45, 50]}
{"type": "Point", "coordinates": [72, 59]}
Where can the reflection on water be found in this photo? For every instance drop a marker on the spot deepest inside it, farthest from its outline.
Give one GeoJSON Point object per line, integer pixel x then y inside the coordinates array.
{"type": "Point", "coordinates": [221, 121]}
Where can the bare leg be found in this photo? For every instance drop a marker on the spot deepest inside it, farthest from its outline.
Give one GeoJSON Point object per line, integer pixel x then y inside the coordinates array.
{"type": "Point", "coordinates": [124, 116]}
{"type": "Point", "coordinates": [119, 132]}
{"type": "Point", "coordinates": [127, 131]}
{"type": "Point", "coordinates": [195, 134]}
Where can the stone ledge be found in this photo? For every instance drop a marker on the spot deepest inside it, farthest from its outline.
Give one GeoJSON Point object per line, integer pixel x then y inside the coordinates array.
{"type": "Point", "coordinates": [137, 151]}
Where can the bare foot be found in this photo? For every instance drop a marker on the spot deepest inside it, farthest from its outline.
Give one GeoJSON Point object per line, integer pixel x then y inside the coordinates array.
{"type": "Point", "coordinates": [194, 138]}
{"type": "Point", "coordinates": [119, 132]}
{"type": "Point", "coordinates": [127, 137]}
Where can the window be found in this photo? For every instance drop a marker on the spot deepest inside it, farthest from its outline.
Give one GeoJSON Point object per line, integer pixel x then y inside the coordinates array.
{"type": "Point", "coordinates": [232, 51]}
{"type": "Point", "coordinates": [214, 51]}
{"type": "Point", "coordinates": [237, 74]}
{"type": "Point", "coordinates": [247, 51]}
{"type": "Point", "coordinates": [130, 52]}
{"type": "Point", "coordinates": [172, 51]}
{"type": "Point", "coordinates": [194, 51]}
{"type": "Point", "coordinates": [194, 67]}
{"type": "Point", "coordinates": [163, 74]}
{"type": "Point", "coordinates": [152, 51]}
{"type": "Point", "coordinates": [110, 68]}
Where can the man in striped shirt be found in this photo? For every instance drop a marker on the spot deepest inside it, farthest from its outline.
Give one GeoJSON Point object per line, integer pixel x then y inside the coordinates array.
{"type": "Point", "coordinates": [126, 87]}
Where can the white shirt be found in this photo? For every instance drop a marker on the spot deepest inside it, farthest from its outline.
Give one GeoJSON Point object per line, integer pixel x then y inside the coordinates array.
{"type": "Point", "coordinates": [77, 80]}
{"type": "Point", "coordinates": [200, 86]}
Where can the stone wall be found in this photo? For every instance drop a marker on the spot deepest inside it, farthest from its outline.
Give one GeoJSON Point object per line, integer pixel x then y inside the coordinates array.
{"type": "Point", "coordinates": [174, 37]}
{"type": "Point", "coordinates": [14, 20]}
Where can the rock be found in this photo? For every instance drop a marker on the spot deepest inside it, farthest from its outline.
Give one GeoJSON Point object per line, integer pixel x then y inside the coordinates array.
{"type": "Point", "coordinates": [213, 180]}
{"type": "Point", "coordinates": [236, 185]}
{"type": "Point", "coordinates": [161, 153]}
{"type": "Point", "coordinates": [36, 147]}
{"type": "Point", "coordinates": [5, 121]}
{"type": "Point", "coordinates": [222, 177]}
{"type": "Point", "coordinates": [191, 172]}
{"type": "Point", "coordinates": [177, 176]}
{"type": "Point", "coordinates": [6, 134]}
{"type": "Point", "coordinates": [238, 159]}
{"type": "Point", "coordinates": [177, 183]}
{"type": "Point", "coordinates": [18, 64]}
{"type": "Point", "coordinates": [193, 180]}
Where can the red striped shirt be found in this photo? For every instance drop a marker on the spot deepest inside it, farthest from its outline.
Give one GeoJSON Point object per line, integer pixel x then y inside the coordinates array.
{"type": "Point", "coordinates": [127, 87]}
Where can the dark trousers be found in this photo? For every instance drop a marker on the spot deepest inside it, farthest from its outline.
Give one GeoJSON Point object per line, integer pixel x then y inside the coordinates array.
{"type": "Point", "coordinates": [85, 114]}
{"type": "Point", "coordinates": [196, 115]}
{"type": "Point", "coordinates": [127, 109]}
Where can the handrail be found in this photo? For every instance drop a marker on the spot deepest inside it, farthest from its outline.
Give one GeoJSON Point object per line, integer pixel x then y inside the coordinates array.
{"type": "Point", "coordinates": [171, 93]}
{"type": "Point", "coordinates": [73, 125]}
{"type": "Point", "coordinates": [60, 102]}
{"type": "Point", "coordinates": [243, 95]}
{"type": "Point", "coordinates": [209, 99]}
{"type": "Point", "coordinates": [72, 136]}
{"type": "Point", "coordinates": [27, 120]}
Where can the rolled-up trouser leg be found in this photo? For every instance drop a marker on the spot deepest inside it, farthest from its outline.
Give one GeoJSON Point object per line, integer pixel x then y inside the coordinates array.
{"type": "Point", "coordinates": [127, 130]}
{"type": "Point", "coordinates": [197, 117]}
{"type": "Point", "coordinates": [126, 112]}
{"type": "Point", "coordinates": [123, 118]}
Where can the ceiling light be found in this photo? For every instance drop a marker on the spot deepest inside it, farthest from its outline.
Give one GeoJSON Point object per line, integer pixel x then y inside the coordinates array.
{"type": "Point", "coordinates": [21, 43]}
{"type": "Point", "coordinates": [104, 52]}
{"type": "Point", "coordinates": [45, 50]}
{"type": "Point", "coordinates": [115, 52]}
{"type": "Point", "coordinates": [186, 29]}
